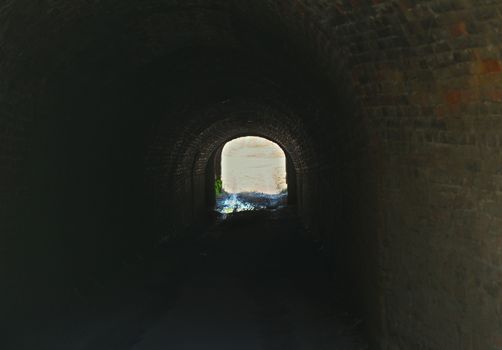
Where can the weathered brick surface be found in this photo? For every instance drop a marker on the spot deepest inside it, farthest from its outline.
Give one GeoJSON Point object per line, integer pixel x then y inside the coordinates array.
{"type": "Point", "coordinates": [390, 110]}
{"type": "Point", "coordinates": [426, 76]}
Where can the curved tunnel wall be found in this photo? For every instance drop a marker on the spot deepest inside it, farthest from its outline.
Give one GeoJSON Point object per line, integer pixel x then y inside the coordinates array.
{"type": "Point", "coordinates": [235, 119]}
{"type": "Point", "coordinates": [391, 108]}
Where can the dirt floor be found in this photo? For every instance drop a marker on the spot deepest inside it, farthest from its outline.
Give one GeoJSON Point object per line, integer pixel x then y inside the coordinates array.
{"type": "Point", "coordinates": [252, 281]}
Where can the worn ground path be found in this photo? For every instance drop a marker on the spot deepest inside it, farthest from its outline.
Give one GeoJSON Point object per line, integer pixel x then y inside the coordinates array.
{"type": "Point", "coordinates": [251, 282]}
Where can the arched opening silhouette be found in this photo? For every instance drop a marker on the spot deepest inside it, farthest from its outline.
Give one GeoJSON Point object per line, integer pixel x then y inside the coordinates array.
{"type": "Point", "coordinates": [252, 175]}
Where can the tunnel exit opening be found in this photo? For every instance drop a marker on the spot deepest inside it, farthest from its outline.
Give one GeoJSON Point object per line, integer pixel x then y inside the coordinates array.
{"type": "Point", "coordinates": [251, 175]}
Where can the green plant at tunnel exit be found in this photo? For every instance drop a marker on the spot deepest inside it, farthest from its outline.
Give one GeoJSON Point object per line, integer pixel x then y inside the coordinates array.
{"type": "Point", "coordinates": [218, 187]}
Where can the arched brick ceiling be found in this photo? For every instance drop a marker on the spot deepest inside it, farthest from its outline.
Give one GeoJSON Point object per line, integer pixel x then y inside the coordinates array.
{"type": "Point", "coordinates": [90, 88]}
{"type": "Point", "coordinates": [109, 34]}
{"type": "Point", "coordinates": [79, 40]}
{"type": "Point", "coordinates": [241, 120]}
{"type": "Point", "coordinates": [49, 48]}
{"type": "Point", "coordinates": [60, 54]}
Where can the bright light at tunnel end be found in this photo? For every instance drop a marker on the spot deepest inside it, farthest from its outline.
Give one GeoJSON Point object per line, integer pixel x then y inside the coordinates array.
{"type": "Point", "coordinates": [253, 175]}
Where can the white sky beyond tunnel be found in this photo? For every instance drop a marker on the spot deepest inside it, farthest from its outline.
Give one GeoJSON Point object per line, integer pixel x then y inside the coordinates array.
{"type": "Point", "coordinates": [253, 164]}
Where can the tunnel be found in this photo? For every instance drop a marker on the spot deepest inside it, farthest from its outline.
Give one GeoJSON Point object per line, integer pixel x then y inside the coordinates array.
{"type": "Point", "coordinates": [112, 118]}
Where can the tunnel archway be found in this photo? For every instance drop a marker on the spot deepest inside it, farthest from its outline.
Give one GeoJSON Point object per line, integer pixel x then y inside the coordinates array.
{"type": "Point", "coordinates": [390, 111]}
{"type": "Point", "coordinates": [253, 164]}
{"type": "Point", "coordinates": [251, 173]}
{"type": "Point", "coordinates": [235, 119]}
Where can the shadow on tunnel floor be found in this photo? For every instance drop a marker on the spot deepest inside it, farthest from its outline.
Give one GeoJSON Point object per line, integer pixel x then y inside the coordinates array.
{"type": "Point", "coordinates": [251, 281]}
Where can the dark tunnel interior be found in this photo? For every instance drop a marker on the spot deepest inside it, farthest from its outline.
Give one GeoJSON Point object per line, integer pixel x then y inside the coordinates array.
{"type": "Point", "coordinates": [112, 118]}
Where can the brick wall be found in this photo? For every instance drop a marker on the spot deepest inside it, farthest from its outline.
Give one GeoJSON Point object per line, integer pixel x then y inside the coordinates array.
{"type": "Point", "coordinates": [425, 77]}
{"type": "Point", "coordinates": [390, 111]}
